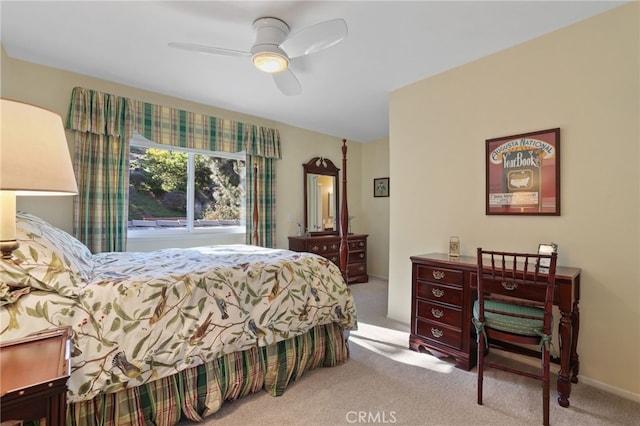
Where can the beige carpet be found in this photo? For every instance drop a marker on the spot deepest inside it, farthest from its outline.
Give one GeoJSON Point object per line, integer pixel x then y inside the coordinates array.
{"type": "Point", "coordinates": [386, 383]}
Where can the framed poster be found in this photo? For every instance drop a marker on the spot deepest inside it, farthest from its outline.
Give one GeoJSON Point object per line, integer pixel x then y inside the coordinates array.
{"type": "Point", "coordinates": [381, 187]}
{"type": "Point", "coordinates": [523, 174]}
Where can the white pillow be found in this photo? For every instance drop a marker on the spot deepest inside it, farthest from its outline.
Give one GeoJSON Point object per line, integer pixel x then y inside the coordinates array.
{"type": "Point", "coordinates": [48, 258]}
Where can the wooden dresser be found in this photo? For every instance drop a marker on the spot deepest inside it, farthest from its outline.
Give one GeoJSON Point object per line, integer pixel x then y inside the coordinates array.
{"type": "Point", "coordinates": [440, 318]}
{"type": "Point", "coordinates": [329, 246]}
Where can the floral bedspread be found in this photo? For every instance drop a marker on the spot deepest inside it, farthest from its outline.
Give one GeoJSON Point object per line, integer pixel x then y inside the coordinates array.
{"type": "Point", "coordinates": [144, 316]}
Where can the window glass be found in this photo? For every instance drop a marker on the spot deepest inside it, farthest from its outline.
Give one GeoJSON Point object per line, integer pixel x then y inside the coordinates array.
{"type": "Point", "coordinates": [171, 189]}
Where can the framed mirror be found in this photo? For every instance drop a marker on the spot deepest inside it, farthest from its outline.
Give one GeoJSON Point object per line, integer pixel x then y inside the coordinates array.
{"type": "Point", "coordinates": [321, 198]}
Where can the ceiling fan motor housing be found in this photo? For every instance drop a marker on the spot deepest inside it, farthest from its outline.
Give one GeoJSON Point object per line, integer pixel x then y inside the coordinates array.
{"type": "Point", "coordinates": [270, 33]}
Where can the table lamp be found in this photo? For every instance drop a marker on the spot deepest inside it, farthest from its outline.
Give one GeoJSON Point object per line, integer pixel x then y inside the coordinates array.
{"type": "Point", "coordinates": [34, 160]}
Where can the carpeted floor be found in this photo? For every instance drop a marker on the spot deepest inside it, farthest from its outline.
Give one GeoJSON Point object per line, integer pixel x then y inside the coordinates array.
{"type": "Point", "coordinates": [386, 383]}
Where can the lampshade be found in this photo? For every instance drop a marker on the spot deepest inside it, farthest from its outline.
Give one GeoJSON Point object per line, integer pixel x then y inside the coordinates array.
{"type": "Point", "coordinates": [34, 160]}
{"type": "Point", "coordinates": [34, 156]}
{"type": "Point", "coordinates": [270, 59]}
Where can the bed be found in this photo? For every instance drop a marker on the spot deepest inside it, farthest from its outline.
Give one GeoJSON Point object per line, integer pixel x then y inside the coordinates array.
{"type": "Point", "coordinates": [169, 335]}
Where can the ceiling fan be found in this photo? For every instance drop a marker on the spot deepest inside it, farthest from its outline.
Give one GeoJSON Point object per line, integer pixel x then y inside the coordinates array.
{"type": "Point", "coordinates": [274, 47]}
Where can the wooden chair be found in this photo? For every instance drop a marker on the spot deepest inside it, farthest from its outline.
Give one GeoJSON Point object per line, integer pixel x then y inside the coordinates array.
{"type": "Point", "coordinates": [514, 308]}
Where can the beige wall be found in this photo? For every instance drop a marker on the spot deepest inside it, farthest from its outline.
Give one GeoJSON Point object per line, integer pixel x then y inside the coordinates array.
{"type": "Point", "coordinates": [375, 164]}
{"type": "Point", "coordinates": [583, 79]}
{"type": "Point", "coordinates": [51, 88]}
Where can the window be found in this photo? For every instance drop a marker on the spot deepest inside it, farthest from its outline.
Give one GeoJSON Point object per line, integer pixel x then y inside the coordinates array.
{"type": "Point", "coordinates": [177, 190]}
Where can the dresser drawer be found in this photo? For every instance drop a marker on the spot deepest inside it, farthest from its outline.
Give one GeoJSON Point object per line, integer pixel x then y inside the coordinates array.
{"type": "Point", "coordinates": [439, 313]}
{"type": "Point", "coordinates": [440, 275]}
{"type": "Point", "coordinates": [439, 333]}
{"type": "Point", "coordinates": [357, 244]}
{"type": "Point", "coordinates": [440, 293]}
{"type": "Point", "coordinates": [334, 257]}
{"type": "Point", "coordinates": [357, 257]}
{"type": "Point", "coordinates": [355, 269]}
{"type": "Point", "coordinates": [324, 247]}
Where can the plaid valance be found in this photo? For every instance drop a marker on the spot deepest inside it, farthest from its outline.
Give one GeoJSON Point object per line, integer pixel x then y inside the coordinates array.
{"type": "Point", "coordinates": [100, 113]}
{"type": "Point", "coordinates": [106, 114]}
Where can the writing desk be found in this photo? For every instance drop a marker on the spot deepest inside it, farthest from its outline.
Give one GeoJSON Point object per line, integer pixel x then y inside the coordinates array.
{"type": "Point", "coordinates": [442, 296]}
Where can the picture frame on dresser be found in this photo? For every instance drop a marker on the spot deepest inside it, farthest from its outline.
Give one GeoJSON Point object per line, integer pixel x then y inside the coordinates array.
{"type": "Point", "coordinates": [547, 248]}
{"type": "Point", "coordinates": [523, 174]}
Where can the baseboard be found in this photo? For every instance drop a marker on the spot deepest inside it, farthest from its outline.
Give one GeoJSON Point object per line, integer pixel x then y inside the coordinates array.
{"type": "Point", "coordinates": [610, 389]}
{"type": "Point", "coordinates": [581, 378]}
{"type": "Point", "coordinates": [379, 277]}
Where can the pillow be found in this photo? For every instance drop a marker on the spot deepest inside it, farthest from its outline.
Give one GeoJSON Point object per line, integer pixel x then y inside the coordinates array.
{"type": "Point", "coordinates": [48, 259]}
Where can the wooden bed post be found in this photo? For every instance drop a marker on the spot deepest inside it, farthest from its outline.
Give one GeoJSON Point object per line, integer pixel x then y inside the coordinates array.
{"type": "Point", "coordinates": [255, 204]}
{"type": "Point", "coordinates": [344, 215]}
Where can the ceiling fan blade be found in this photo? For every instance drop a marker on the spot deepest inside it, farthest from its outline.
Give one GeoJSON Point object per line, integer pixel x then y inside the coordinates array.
{"type": "Point", "coordinates": [315, 38]}
{"type": "Point", "coordinates": [287, 83]}
{"type": "Point", "coordinates": [209, 50]}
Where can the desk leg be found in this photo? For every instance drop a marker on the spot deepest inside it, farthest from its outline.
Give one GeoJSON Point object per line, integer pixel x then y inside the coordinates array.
{"type": "Point", "coordinates": [565, 334]}
{"type": "Point", "coordinates": [575, 361]}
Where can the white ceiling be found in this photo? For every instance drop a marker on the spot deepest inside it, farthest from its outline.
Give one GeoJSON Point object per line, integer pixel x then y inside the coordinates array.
{"type": "Point", "coordinates": [345, 88]}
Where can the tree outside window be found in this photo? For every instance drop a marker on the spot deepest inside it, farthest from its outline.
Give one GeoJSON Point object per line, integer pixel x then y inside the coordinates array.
{"type": "Point", "coordinates": [175, 188]}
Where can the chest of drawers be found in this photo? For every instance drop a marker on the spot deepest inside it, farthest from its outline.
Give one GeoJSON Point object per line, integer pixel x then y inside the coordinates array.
{"type": "Point", "coordinates": [329, 246]}
{"type": "Point", "coordinates": [440, 318]}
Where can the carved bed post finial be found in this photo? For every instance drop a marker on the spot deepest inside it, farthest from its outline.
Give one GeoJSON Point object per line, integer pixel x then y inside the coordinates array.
{"type": "Point", "coordinates": [344, 215]}
{"type": "Point", "coordinates": [255, 204]}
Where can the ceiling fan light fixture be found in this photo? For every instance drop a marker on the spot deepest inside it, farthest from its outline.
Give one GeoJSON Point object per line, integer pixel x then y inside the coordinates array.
{"type": "Point", "coordinates": [270, 62]}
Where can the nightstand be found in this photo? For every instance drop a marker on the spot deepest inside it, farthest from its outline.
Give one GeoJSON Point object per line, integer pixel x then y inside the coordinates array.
{"type": "Point", "coordinates": [33, 377]}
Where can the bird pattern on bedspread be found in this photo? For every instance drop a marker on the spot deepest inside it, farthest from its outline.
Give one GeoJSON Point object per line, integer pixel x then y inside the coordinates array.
{"type": "Point", "coordinates": [149, 315]}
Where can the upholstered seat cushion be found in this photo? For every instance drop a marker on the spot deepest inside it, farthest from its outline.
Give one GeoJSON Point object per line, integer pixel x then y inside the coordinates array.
{"type": "Point", "coordinates": [522, 326]}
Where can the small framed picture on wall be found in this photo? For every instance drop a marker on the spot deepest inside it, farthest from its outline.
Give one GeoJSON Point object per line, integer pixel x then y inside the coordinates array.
{"type": "Point", "coordinates": [381, 187]}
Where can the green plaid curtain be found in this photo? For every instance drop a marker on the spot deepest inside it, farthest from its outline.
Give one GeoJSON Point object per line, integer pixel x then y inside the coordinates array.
{"type": "Point", "coordinates": [105, 178]}
{"type": "Point", "coordinates": [170, 126]}
{"type": "Point", "coordinates": [263, 147]}
{"type": "Point", "coordinates": [102, 129]}
{"type": "Point", "coordinates": [266, 200]}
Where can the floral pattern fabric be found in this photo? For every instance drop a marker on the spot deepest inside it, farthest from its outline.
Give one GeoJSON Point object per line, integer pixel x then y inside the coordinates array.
{"type": "Point", "coordinates": [47, 258]}
{"type": "Point", "coordinates": [144, 316]}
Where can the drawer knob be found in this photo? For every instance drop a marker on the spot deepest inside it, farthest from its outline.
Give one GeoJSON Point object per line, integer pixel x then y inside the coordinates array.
{"type": "Point", "coordinates": [437, 292]}
{"type": "Point", "coordinates": [436, 332]}
{"type": "Point", "coordinates": [437, 313]}
{"type": "Point", "coordinates": [438, 275]}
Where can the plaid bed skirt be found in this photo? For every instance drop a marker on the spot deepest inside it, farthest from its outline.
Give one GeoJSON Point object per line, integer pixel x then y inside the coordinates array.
{"type": "Point", "coordinates": [200, 391]}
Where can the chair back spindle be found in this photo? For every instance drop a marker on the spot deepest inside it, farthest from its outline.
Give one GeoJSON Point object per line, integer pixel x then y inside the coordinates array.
{"type": "Point", "coordinates": [514, 310]}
